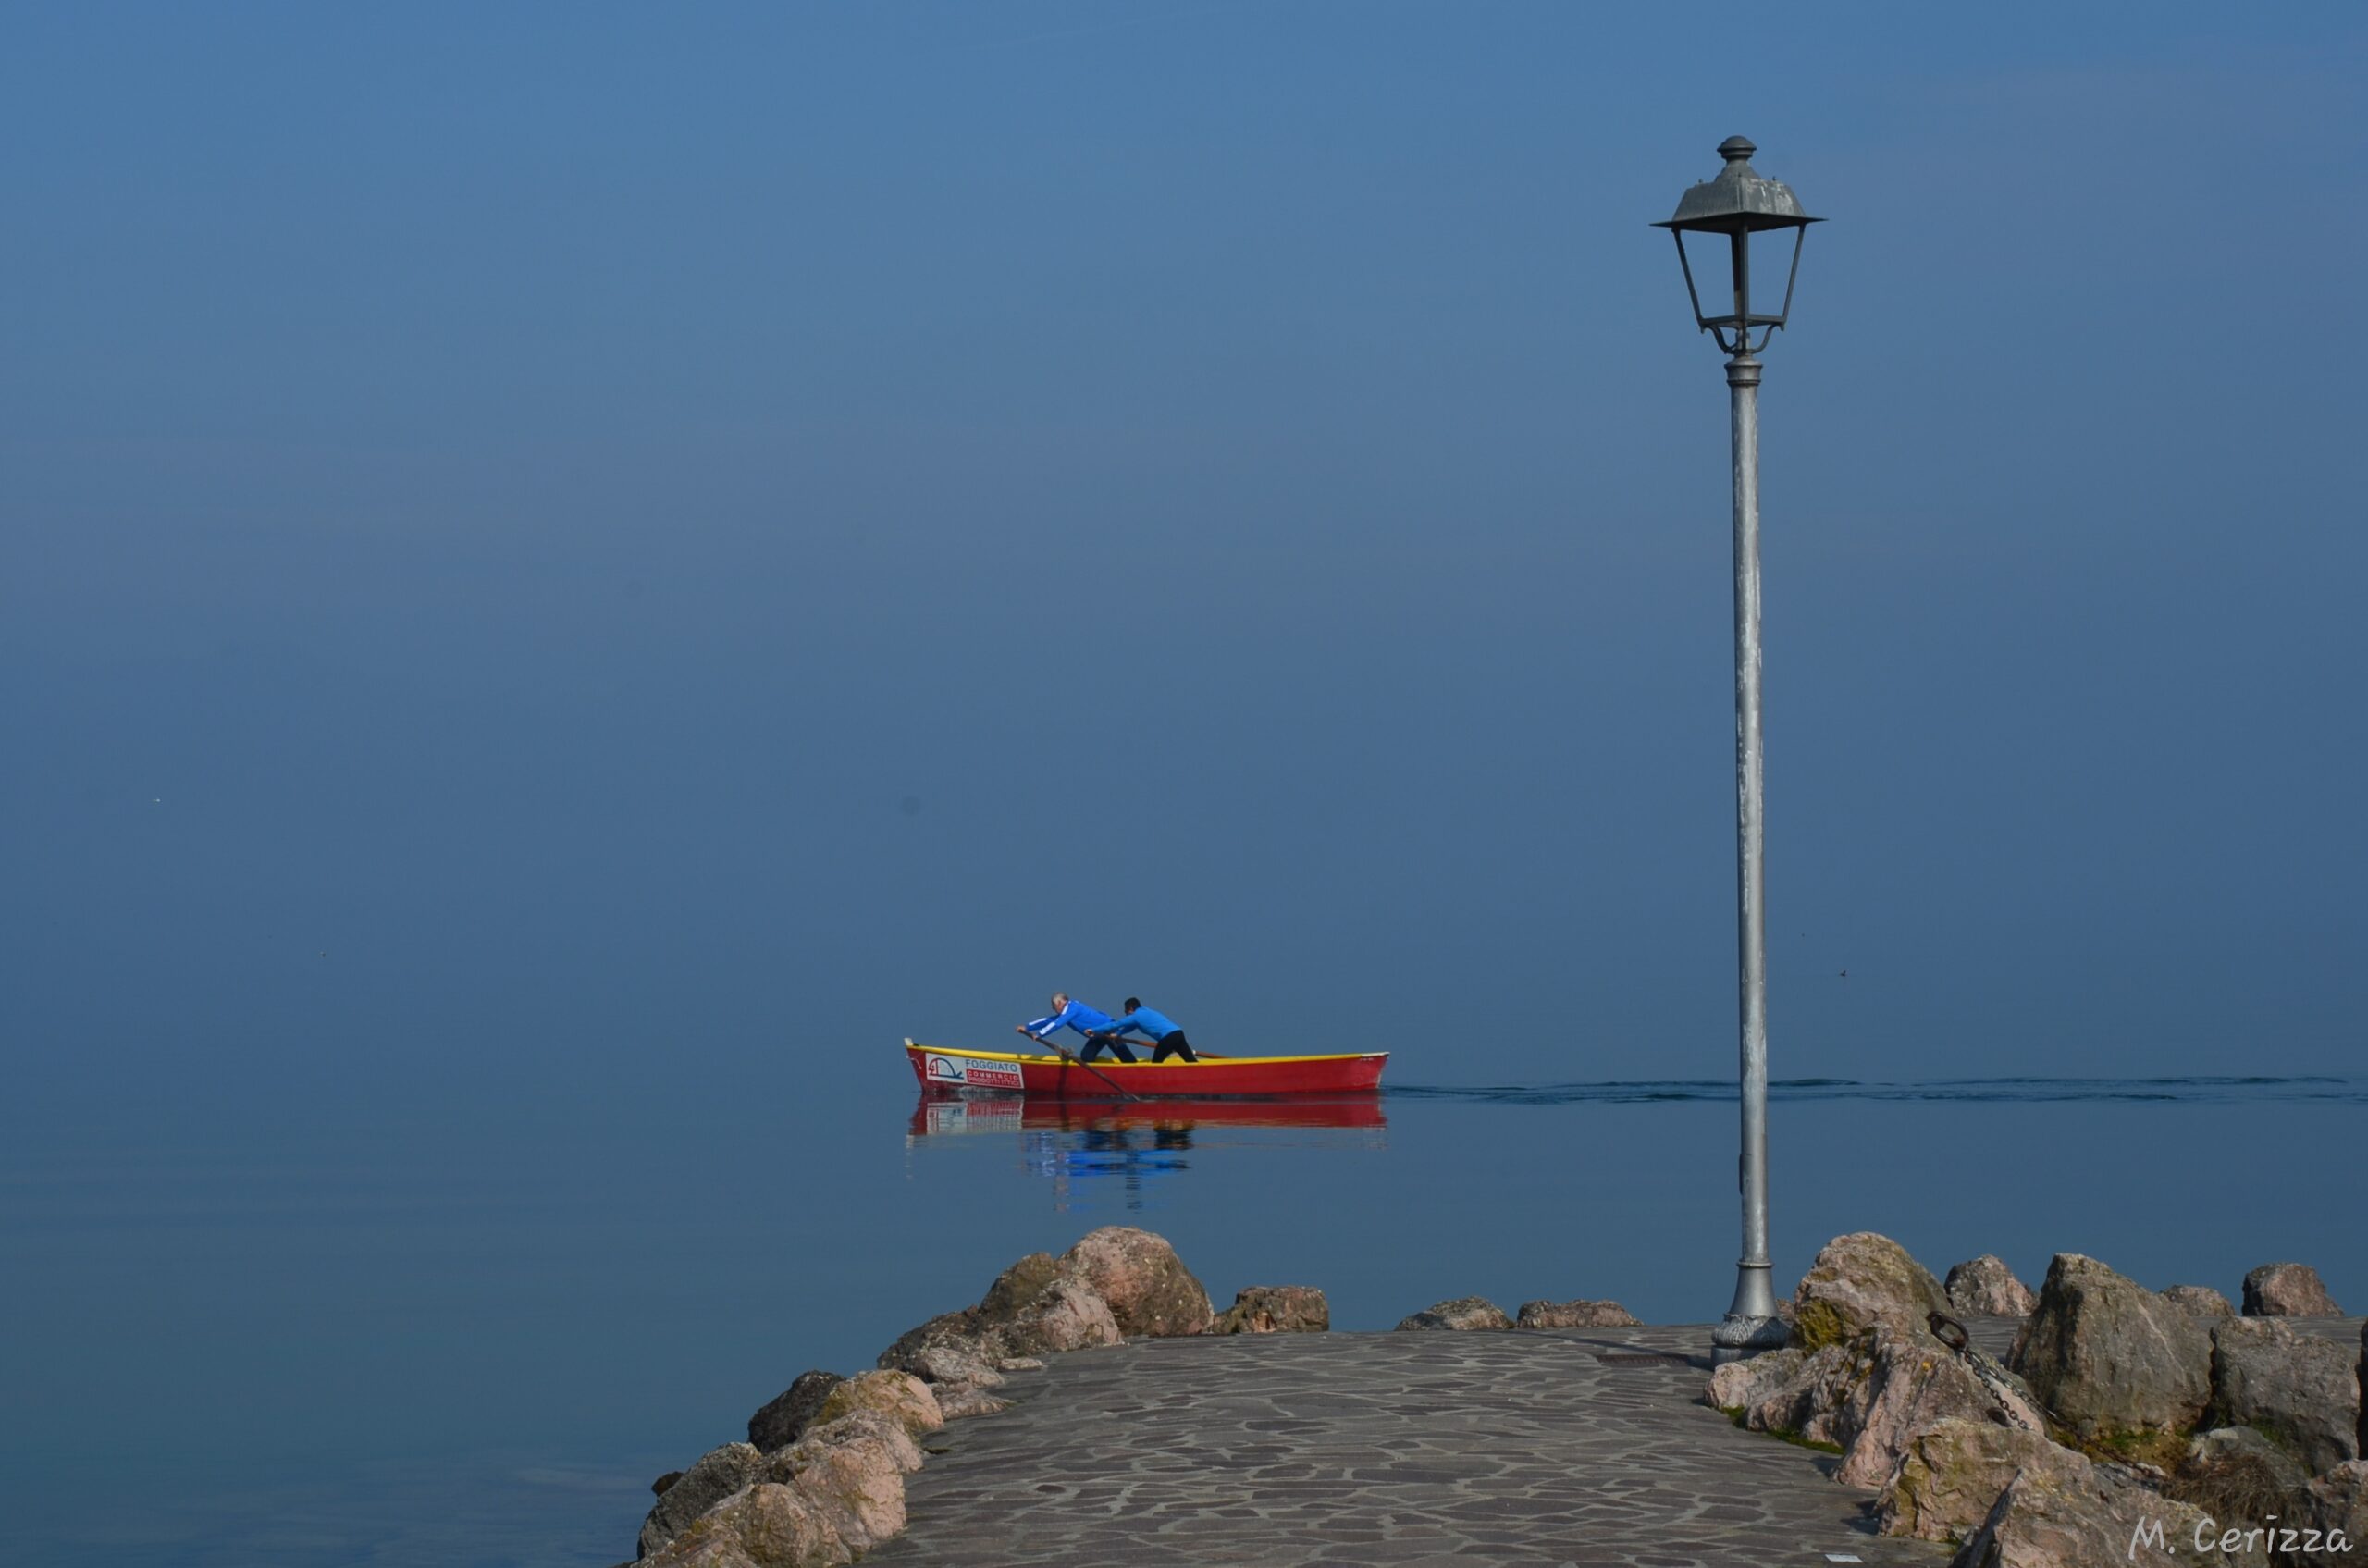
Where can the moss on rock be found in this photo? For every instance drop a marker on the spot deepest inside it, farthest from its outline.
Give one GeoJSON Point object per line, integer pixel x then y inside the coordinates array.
{"type": "Point", "coordinates": [899, 1395]}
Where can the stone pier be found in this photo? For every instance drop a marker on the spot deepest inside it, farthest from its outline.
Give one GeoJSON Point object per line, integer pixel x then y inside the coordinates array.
{"type": "Point", "coordinates": [1536, 1449]}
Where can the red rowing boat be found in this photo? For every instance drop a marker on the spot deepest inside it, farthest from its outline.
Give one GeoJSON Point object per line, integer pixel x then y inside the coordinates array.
{"type": "Point", "coordinates": [1015, 1072]}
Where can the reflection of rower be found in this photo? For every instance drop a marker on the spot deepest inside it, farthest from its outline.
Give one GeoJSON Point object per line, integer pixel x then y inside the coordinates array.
{"type": "Point", "coordinates": [1104, 1152]}
{"type": "Point", "coordinates": [1166, 1037]}
{"type": "Point", "coordinates": [935, 1115]}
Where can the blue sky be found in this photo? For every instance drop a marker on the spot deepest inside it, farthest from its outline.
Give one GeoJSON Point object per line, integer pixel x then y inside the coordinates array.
{"type": "Point", "coordinates": [551, 541]}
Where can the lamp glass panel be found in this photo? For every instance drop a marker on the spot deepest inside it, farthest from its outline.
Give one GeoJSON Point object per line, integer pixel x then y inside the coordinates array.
{"type": "Point", "coordinates": [1771, 267]}
{"type": "Point", "coordinates": [1711, 259]}
{"type": "Point", "coordinates": [1712, 256]}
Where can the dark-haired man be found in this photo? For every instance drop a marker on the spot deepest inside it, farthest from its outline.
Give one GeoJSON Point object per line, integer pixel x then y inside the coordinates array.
{"type": "Point", "coordinates": [1166, 1038]}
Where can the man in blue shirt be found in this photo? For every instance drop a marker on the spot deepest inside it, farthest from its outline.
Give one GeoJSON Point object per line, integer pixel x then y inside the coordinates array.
{"type": "Point", "coordinates": [1167, 1038]}
{"type": "Point", "coordinates": [1092, 1022]}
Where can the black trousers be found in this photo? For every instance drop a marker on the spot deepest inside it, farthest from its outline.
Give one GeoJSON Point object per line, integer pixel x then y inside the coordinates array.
{"type": "Point", "coordinates": [1173, 1045]}
{"type": "Point", "coordinates": [1094, 1042]}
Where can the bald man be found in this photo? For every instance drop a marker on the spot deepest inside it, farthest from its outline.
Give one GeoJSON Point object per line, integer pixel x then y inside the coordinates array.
{"type": "Point", "coordinates": [1092, 1022]}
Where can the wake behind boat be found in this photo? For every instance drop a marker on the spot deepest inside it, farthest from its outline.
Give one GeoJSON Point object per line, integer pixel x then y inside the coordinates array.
{"type": "Point", "coordinates": [1019, 1072]}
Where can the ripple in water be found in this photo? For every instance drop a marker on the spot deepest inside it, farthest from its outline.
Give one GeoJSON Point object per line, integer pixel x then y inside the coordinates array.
{"type": "Point", "coordinates": [2186, 1091]}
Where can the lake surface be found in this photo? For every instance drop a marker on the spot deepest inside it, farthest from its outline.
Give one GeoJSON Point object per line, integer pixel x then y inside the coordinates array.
{"type": "Point", "coordinates": [464, 1324]}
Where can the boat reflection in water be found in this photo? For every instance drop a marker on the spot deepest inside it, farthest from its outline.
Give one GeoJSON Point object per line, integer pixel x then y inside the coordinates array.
{"type": "Point", "coordinates": [1098, 1151]}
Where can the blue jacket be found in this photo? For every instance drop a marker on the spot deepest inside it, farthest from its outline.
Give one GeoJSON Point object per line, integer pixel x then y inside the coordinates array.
{"type": "Point", "coordinates": [1159, 1025]}
{"type": "Point", "coordinates": [1076, 1016]}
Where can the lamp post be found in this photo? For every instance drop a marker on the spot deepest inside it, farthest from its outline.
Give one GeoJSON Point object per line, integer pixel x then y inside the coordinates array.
{"type": "Point", "coordinates": [1739, 204]}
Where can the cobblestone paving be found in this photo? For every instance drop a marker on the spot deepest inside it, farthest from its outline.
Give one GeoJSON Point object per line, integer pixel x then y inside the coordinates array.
{"type": "Point", "coordinates": [1462, 1448]}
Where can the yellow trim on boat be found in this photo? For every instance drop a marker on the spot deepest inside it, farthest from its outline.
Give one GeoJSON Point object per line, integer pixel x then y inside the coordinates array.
{"type": "Point", "coordinates": [1108, 1065]}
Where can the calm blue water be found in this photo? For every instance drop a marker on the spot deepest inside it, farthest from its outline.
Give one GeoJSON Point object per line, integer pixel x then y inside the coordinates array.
{"type": "Point", "coordinates": [465, 1324]}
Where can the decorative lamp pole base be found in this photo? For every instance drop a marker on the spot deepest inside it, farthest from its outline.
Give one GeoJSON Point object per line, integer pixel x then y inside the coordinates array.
{"type": "Point", "coordinates": [1751, 1325]}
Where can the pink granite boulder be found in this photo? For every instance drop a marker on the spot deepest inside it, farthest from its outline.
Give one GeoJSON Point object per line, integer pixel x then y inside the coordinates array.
{"type": "Point", "coordinates": [1276, 1309]}
{"type": "Point", "coordinates": [2287, 1290]}
{"type": "Point", "coordinates": [1462, 1312]}
{"type": "Point", "coordinates": [1985, 1287]}
{"type": "Point", "coordinates": [1579, 1314]}
{"type": "Point", "coordinates": [1147, 1286]}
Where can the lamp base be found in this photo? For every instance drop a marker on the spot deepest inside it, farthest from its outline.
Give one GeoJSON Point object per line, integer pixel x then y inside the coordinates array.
{"type": "Point", "coordinates": [1738, 1338]}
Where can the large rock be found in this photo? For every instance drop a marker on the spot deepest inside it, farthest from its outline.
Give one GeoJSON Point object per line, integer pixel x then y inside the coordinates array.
{"type": "Point", "coordinates": [954, 1347]}
{"type": "Point", "coordinates": [791, 1412]}
{"type": "Point", "coordinates": [718, 1473]}
{"type": "Point", "coordinates": [960, 1402]}
{"type": "Point", "coordinates": [1064, 1316]}
{"type": "Point", "coordinates": [942, 1369]}
{"type": "Point", "coordinates": [1813, 1402]}
{"type": "Point", "coordinates": [1985, 1287]}
{"type": "Point", "coordinates": [1574, 1315]}
{"type": "Point", "coordinates": [1017, 1286]}
{"type": "Point", "coordinates": [766, 1525]}
{"type": "Point", "coordinates": [2337, 1509]}
{"type": "Point", "coordinates": [1463, 1312]}
{"type": "Point", "coordinates": [891, 1437]}
{"type": "Point", "coordinates": [897, 1395]}
{"type": "Point", "coordinates": [1738, 1385]}
{"type": "Point", "coordinates": [1950, 1474]}
{"type": "Point", "coordinates": [835, 1494]}
{"type": "Point", "coordinates": [1276, 1309]}
{"type": "Point", "coordinates": [1912, 1385]}
{"type": "Point", "coordinates": [2287, 1290]}
{"type": "Point", "coordinates": [860, 1493]}
{"type": "Point", "coordinates": [2109, 1357]}
{"type": "Point", "coordinates": [1031, 1306]}
{"type": "Point", "coordinates": [2202, 1300]}
{"type": "Point", "coordinates": [1869, 1398]}
{"type": "Point", "coordinates": [2363, 1390]}
{"type": "Point", "coordinates": [2298, 1388]}
{"type": "Point", "coordinates": [1147, 1285]}
{"type": "Point", "coordinates": [1116, 1281]}
{"type": "Point", "coordinates": [961, 1349]}
{"type": "Point", "coordinates": [1860, 1281]}
{"type": "Point", "coordinates": [2046, 1519]}
{"type": "Point", "coordinates": [853, 1471]}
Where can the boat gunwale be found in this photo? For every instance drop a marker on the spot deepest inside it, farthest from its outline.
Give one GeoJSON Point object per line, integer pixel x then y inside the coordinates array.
{"type": "Point", "coordinates": [1107, 1065]}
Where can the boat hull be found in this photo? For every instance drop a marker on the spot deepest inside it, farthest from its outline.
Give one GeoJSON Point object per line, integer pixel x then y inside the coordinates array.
{"type": "Point", "coordinates": [1013, 1072]}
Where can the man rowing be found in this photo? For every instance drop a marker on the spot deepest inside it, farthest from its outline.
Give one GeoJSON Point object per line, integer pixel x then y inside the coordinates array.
{"type": "Point", "coordinates": [1167, 1038]}
{"type": "Point", "coordinates": [1092, 1022]}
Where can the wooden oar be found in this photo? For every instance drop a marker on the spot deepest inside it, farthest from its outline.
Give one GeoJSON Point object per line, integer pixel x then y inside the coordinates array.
{"type": "Point", "coordinates": [1082, 1062]}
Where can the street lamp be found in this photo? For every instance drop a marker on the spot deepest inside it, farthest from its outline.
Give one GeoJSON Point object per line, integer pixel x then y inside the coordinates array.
{"type": "Point", "coordinates": [1740, 204]}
